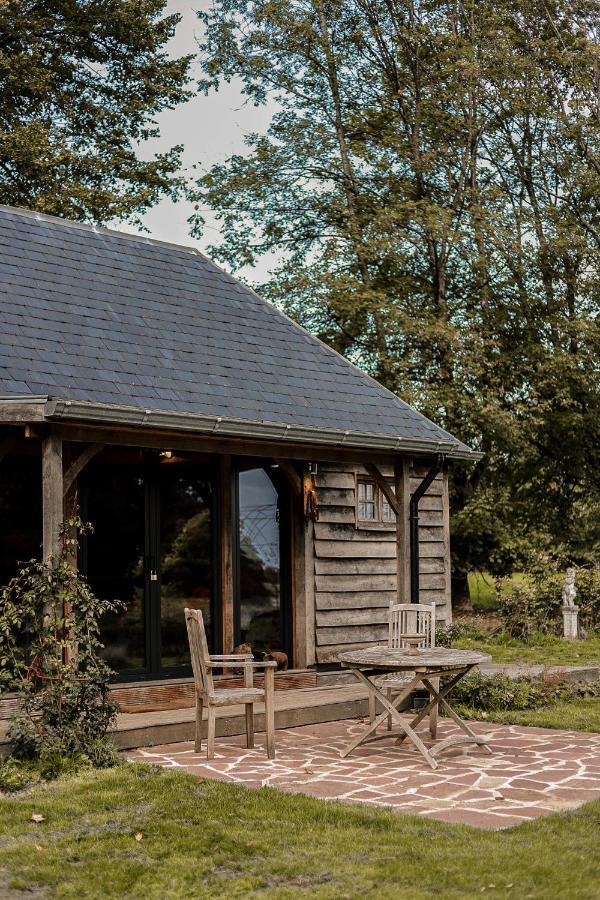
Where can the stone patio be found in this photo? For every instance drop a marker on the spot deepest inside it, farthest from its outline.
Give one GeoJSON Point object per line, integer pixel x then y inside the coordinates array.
{"type": "Point", "coordinates": [532, 772]}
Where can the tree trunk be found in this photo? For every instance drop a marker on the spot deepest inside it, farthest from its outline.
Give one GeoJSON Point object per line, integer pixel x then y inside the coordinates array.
{"type": "Point", "coordinates": [461, 596]}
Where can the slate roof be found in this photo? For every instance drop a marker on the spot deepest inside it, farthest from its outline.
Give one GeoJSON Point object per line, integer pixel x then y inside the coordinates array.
{"type": "Point", "coordinates": [94, 315]}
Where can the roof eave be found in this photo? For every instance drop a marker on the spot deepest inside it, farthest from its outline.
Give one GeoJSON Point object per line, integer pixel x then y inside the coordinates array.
{"type": "Point", "coordinates": [50, 409]}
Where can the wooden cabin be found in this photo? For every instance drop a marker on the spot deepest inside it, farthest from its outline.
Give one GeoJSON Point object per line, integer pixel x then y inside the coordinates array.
{"type": "Point", "coordinates": [227, 459]}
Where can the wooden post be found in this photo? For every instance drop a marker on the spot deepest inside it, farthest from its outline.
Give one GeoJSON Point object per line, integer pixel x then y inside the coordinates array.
{"type": "Point", "coordinates": [402, 492]}
{"type": "Point", "coordinates": [52, 495]}
{"type": "Point", "coordinates": [227, 524]}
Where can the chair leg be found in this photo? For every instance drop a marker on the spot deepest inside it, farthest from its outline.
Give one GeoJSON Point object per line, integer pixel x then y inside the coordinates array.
{"type": "Point", "coordinates": [210, 742]}
{"type": "Point", "coordinates": [388, 694]}
{"type": "Point", "coordinates": [198, 738]}
{"type": "Point", "coordinates": [249, 725]}
{"type": "Point", "coordinates": [433, 715]}
{"type": "Point", "coordinates": [270, 711]}
{"type": "Point", "coordinates": [372, 708]}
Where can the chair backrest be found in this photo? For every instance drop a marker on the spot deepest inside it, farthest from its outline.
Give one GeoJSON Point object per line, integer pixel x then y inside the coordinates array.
{"type": "Point", "coordinates": [411, 618]}
{"type": "Point", "coordinates": [199, 651]}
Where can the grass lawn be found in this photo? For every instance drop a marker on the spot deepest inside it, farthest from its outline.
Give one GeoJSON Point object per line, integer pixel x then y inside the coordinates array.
{"type": "Point", "coordinates": [482, 590]}
{"type": "Point", "coordinates": [572, 715]}
{"type": "Point", "coordinates": [543, 649]}
{"type": "Point", "coordinates": [133, 833]}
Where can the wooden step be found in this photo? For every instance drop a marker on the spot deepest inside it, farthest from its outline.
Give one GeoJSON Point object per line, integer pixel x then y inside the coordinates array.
{"type": "Point", "coordinates": [292, 708]}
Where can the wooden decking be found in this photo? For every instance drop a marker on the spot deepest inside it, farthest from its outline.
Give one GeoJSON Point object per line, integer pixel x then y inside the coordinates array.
{"type": "Point", "coordinates": [306, 706]}
{"type": "Point", "coordinates": [292, 708]}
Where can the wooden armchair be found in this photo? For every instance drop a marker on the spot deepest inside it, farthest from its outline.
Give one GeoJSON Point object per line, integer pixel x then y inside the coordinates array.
{"type": "Point", "coordinates": [207, 695]}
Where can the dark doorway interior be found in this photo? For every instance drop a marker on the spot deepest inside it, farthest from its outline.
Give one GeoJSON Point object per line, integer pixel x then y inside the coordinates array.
{"type": "Point", "coordinates": [153, 546]}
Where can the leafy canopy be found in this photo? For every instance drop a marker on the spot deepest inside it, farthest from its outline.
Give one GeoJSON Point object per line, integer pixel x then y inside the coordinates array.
{"type": "Point", "coordinates": [429, 185]}
{"type": "Point", "coordinates": [81, 83]}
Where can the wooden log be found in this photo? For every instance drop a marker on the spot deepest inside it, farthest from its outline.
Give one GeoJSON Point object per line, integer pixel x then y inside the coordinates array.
{"type": "Point", "coordinates": [336, 497]}
{"type": "Point", "coordinates": [355, 583]}
{"type": "Point", "coordinates": [337, 514]}
{"type": "Point", "coordinates": [433, 582]}
{"type": "Point", "coordinates": [434, 490]}
{"type": "Point", "coordinates": [52, 495]}
{"type": "Point", "coordinates": [338, 600]}
{"type": "Point", "coordinates": [325, 531]}
{"type": "Point", "coordinates": [431, 549]}
{"type": "Point", "coordinates": [357, 549]}
{"type": "Point", "coordinates": [352, 617]}
{"type": "Point", "coordinates": [349, 634]}
{"type": "Point", "coordinates": [349, 567]}
{"type": "Point", "coordinates": [336, 479]}
{"type": "Point", "coordinates": [329, 654]}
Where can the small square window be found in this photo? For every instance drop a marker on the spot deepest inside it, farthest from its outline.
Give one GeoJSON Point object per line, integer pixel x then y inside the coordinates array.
{"type": "Point", "coordinates": [372, 507]}
{"type": "Point", "coordinates": [367, 507]}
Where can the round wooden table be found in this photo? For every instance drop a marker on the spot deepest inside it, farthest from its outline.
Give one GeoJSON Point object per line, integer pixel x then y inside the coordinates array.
{"type": "Point", "coordinates": [425, 665]}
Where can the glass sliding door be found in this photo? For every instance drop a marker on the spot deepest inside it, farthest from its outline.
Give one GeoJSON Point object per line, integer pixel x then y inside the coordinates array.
{"type": "Point", "coordinates": [186, 556]}
{"type": "Point", "coordinates": [114, 501]}
{"type": "Point", "coordinates": [263, 615]}
{"type": "Point", "coordinates": [153, 548]}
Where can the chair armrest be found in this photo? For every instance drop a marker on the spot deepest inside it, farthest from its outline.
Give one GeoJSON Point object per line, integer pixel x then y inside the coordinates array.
{"type": "Point", "coordinates": [242, 662]}
{"type": "Point", "coordinates": [230, 656]}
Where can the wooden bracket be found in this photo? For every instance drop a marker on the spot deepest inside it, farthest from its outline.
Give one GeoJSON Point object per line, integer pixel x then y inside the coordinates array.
{"type": "Point", "coordinates": [78, 465]}
{"type": "Point", "coordinates": [291, 474]}
{"type": "Point", "coordinates": [384, 487]}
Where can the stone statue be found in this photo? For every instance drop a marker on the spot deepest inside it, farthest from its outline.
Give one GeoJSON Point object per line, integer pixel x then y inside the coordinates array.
{"type": "Point", "coordinates": [569, 593]}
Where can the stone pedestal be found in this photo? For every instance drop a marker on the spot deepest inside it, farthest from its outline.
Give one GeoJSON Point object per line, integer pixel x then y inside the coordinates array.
{"type": "Point", "coordinates": [571, 630]}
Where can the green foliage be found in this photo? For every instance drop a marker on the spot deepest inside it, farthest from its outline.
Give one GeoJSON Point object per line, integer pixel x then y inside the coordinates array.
{"type": "Point", "coordinates": [81, 82]}
{"type": "Point", "coordinates": [50, 657]}
{"type": "Point", "coordinates": [499, 692]}
{"type": "Point", "coordinates": [535, 605]}
{"type": "Point", "coordinates": [462, 630]}
{"type": "Point", "coordinates": [429, 188]}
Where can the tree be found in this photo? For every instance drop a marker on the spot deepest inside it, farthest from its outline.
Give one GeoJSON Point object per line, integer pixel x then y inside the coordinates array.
{"type": "Point", "coordinates": [81, 82]}
{"type": "Point", "coordinates": [429, 184]}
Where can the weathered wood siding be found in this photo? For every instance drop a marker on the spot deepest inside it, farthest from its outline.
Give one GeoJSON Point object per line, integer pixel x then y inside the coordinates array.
{"type": "Point", "coordinates": [355, 569]}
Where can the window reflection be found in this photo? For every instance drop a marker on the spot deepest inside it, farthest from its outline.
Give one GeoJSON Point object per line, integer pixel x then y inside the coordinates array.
{"type": "Point", "coordinates": [115, 557]}
{"type": "Point", "coordinates": [259, 564]}
{"type": "Point", "coordinates": [186, 556]}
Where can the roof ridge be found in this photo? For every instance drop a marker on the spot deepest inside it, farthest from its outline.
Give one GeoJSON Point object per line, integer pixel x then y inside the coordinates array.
{"type": "Point", "coordinates": [98, 229]}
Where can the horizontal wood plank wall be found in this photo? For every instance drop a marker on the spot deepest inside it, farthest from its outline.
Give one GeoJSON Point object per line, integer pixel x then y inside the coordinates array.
{"type": "Point", "coordinates": [355, 568]}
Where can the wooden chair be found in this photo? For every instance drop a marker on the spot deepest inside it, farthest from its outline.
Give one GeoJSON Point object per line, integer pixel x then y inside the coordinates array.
{"type": "Point", "coordinates": [407, 618]}
{"type": "Point", "coordinates": [208, 695]}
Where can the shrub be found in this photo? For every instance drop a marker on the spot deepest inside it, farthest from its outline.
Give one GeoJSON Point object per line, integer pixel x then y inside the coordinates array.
{"type": "Point", "coordinates": [499, 692]}
{"type": "Point", "coordinates": [50, 656]}
{"type": "Point", "coordinates": [446, 636]}
{"type": "Point", "coordinates": [535, 605]}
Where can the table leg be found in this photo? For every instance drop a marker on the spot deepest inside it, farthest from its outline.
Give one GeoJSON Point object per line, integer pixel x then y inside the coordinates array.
{"type": "Point", "coordinates": [472, 737]}
{"type": "Point", "coordinates": [389, 709]}
{"type": "Point", "coordinates": [433, 701]}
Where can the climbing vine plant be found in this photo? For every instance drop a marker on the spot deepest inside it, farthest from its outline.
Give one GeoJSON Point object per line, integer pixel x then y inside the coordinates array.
{"type": "Point", "coordinates": [50, 658]}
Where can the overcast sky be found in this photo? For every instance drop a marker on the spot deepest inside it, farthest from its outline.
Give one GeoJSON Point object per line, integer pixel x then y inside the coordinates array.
{"type": "Point", "coordinates": [210, 128]}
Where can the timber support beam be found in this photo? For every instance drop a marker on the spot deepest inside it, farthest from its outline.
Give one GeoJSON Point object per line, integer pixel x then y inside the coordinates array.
{"type": "Point", "coordinates": [52, 495]}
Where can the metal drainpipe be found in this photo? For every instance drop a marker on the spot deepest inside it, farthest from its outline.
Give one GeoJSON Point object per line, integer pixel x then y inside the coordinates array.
{"type": "Point", "coordinates": [414, 525]}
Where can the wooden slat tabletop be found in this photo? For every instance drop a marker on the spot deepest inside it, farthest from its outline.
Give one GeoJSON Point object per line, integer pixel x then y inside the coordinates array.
{"type": "Point", "coordinates": [401, 660]}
